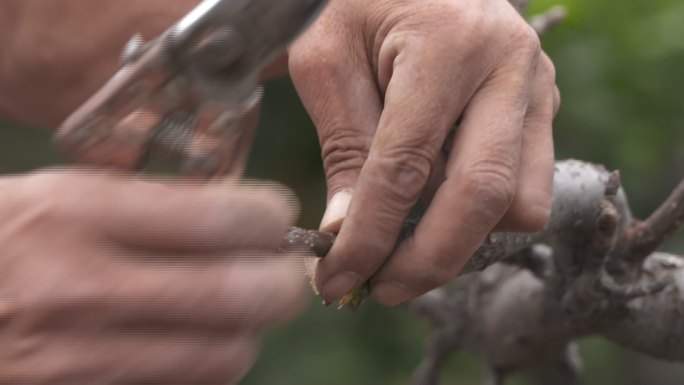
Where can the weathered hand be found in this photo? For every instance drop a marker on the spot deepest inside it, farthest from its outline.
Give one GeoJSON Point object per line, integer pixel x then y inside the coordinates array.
{"type": "Point", "coordinates": [109, 280]}
{"type": "Point", "coordinates": [385, 82]}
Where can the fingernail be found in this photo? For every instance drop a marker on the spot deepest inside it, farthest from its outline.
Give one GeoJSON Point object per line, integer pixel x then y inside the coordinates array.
{"type": "Point", "coordinates": [339, 285]}
{"type": "Point", "coordinates": [336, 211]}
{"type": "Point", "coordinates": [390, 293]}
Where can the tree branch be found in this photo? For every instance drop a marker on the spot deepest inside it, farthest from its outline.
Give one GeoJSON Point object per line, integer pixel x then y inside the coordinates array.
{"type": "Point", "coordinates": [522, 317]}
{"type": "Point", "coordinates": [579, 188]}
{"type": "Point", "coordinates": [520, 5]}
{"type": "Point", "coordinates": [524, 313]}
{"type": "Point", "coordinates": [544, 22]}
{"type": "Point", "coordinates": [644, 237]}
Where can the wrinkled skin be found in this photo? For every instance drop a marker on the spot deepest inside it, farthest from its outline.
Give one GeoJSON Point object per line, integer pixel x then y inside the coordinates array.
{"type": "Point", "coordinates": [98, 284]}
{"type": "Point", "coordinates": [385, 82]}
{"type": "Point", "coordinates": [109, 280]}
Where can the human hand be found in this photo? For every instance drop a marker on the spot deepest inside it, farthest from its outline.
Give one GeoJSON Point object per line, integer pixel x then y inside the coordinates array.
{"type": "Point", "coordinates": [385, 82]}
{"type": "Point", "coordinates": [107, 280]}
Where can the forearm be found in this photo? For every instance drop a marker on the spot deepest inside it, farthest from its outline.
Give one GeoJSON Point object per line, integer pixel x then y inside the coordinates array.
{"type": "Point", "coordinates": [55, 53]}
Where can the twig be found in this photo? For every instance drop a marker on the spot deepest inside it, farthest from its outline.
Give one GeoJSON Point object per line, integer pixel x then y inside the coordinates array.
{"type": "Point", "coordinates": [438, 349]}
{"type": "Point", "coordinates": [542, 23]}
{"type": "Point", "coordinates": [313, 241]}
{"type": "Point", "coordinates": [520, 5]}
{"type": "Point", "coordinates": [605, 236]}
{"type": "Point", "coordinates": [642, 238]}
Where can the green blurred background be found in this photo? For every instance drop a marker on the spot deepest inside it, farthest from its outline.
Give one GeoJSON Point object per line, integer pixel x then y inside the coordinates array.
{"type": "Point", "coordinates": [621, 74]}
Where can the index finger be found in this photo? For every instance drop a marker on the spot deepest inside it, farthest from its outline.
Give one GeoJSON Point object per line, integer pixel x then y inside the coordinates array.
{"type": "Point", "coordinates": [211, 219]}
{"type": "Point", "coordinates": [166, 217]}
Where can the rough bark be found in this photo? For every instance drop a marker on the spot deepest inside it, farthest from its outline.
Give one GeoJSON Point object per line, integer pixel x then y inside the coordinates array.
{"type": "Point", "coordinates": [592, 278]}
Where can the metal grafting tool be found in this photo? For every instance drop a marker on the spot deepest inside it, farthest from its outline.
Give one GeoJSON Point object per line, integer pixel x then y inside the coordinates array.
{"type": "Point", "coordinates": [192, 93]}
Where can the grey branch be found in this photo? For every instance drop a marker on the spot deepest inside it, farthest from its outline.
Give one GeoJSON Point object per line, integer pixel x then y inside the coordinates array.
{"type": "Point", "coordinates": [520, 304]}
{"type": "Point", "coordinates": [579, 188]}
{"type": "Point", "coordinates": [521, 5]}
{"type": "Point", "coordinates": [542, 23]}
{"type": "Point", "coordinates": [525, 314]}
{"type": "Point", "coordinates": [643, 237]}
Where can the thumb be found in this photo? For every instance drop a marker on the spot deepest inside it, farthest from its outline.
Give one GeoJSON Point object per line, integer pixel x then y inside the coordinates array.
{"type": "Point", "coordinates": [336, 85]}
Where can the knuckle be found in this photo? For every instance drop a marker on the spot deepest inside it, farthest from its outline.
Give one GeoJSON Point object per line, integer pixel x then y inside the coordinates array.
{"type": "Point", "coordinates": [491, 185]}
{"type": "Point", "coordinates": [325, 39]}
{"type": "Point", "coordinates": [547, 69]}
{"type": "Point", "coordinates": [342, 165]}
{"type": "Point", "coordinates": [342, 150]}
{"type": "Point", "coordinates": [545, 94]}
{"type": "Point", "coordinates": [405, 169]}
{"type": "Point", "coordinates": [525, 40]}
{"type": "Point", "coordinates": [308, 59]}
{"type": "Point", "coordinates": [462, 16]}
{"type": "Point", "coordinates": [468, 24]}
{"type": "Point", "coordinates": [299, 60]}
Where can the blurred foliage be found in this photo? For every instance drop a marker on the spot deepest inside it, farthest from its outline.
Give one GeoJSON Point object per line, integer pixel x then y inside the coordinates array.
{"type": "Point", "coordinates": [620, 73]}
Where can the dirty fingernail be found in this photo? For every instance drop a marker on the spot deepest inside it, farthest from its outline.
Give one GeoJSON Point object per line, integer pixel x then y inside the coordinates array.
{"type": "Point", "coordinates": [390, 293]}
{"type": "Point", "coordinates": [339, 285]}
{"type": "Point", "coordinates": [336, 211]}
